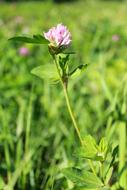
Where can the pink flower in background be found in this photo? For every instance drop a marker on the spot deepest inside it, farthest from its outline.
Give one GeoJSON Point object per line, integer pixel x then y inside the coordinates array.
{"type": "Point", "coordinates": [23, 51]}
{"type": "Point", "coordinates": [1, 22]}
{"type": "Point", "coordinates": [115, 38]}
{"type": "Point", "coordinates": [19, 19]}
{"type": "Point", "coordinates": [58, 36]}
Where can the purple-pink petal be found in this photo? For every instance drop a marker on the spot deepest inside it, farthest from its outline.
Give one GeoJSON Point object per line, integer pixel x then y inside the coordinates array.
{"type": "Point", "coordinates": [58, 36]}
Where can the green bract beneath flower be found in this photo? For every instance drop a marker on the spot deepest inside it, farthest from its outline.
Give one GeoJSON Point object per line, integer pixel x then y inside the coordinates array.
{"type": "Point", "coordinates": [55, 50]}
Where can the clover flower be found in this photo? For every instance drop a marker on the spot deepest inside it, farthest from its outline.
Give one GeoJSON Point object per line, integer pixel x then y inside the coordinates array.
{"type": "Point", "coordinates": [58, 36]}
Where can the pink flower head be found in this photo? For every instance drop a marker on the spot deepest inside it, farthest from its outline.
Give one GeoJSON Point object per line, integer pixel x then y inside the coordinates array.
{"type": "Point", "coordinates": [58, 36]}
{"type": "Point", "coordinates": [23, 51]}
{"type": "Point", "coordinates": [115, 38]}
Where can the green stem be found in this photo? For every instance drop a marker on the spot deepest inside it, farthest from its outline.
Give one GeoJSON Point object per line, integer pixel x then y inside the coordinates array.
{"type": "Point", "coordinates": [101, 171]}
{"type": "Point", "coordinates": [64, 85]}
{"type": "Point", "coordinates": [92, 167]}
{"type": "Point", "coordinates": [27, 137]}
{"type": "Point", "coordinates": [7, 158]}
{"type": "Point", "coordinates": [18, 171]}
{"type": "Point", "coordinates": [6, 144]}
{"type": "Point", "coordinates": [28, 122]}
{"type": "Point", "coordinates": [122, 153]}
{"type": "Point", "coordinates": [68, 101]}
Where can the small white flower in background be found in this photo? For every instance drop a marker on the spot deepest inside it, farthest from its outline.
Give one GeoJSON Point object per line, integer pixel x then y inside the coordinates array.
{"type": "Point", "coordinates": [25, 30]}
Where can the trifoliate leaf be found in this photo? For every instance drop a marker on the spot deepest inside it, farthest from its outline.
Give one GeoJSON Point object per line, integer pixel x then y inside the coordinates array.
{"type": "Point", "coordinates": [90, 150]}
{"type": "Point", "coordinates": [77, 71]}
{"type": "Point", "coordinates": [82, 178]}
{"type": "Point", "coordinates": [46, 71]}
{"type": "Point", "coordinates": [103, 144]}
{"type": "Point", "coordinates": [103, 147]}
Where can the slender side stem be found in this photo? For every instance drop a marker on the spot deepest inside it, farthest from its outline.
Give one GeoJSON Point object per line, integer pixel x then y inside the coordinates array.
{"type": "Point", "coordinates": [68, 102]}
{"type": "Point", "coordinates": [92, 167]}
{"type": "Point", "coordinates": [28, 122]}
{"type": "Point", "coordinates": [122, 153]}
{"type": "Point", "coordinates": [7, 158]}
{"type": "Point", "coordinates": [64, 85]}
{"type": "Point", "coordinates": [27, 137]}
{"type": "Point", "coordinates": [101, 171]}
{"type": "Point", "coordinates": [6, 144]}
{"type": "Point", "coordinates": [71, 113]}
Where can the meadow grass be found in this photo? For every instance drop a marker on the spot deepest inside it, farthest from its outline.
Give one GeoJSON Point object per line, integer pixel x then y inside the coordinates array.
{"type": "Point", "coordinates": [36, 134]}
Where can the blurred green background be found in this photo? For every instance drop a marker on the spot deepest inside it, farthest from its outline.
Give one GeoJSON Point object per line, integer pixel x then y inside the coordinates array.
{"type": "Point", "coordinates": [36, 134]}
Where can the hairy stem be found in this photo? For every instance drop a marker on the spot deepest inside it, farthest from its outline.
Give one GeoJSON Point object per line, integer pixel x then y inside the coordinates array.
{"type": "Point", "coordinates": [64, 85]}
{"type": "Point", "coordinates": [68, 101]}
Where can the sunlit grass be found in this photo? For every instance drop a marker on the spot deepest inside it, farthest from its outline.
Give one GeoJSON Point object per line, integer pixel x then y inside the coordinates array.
{"type": "Point", "coordinates": [36, 134]}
